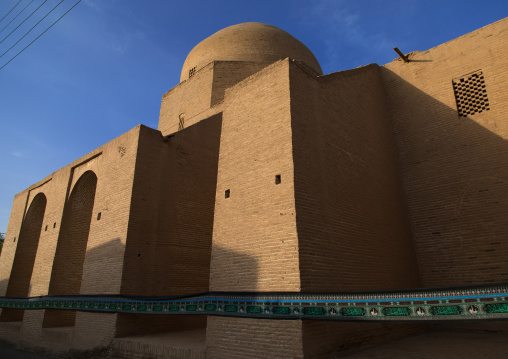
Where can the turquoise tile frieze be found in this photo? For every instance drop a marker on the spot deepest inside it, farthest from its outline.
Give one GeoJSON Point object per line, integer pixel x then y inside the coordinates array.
{"type": "Point", "coordinates": [465, 303]}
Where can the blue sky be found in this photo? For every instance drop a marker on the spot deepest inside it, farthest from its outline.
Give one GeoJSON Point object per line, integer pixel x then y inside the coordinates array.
{"type": "Point", "coordinates": [103, 68]}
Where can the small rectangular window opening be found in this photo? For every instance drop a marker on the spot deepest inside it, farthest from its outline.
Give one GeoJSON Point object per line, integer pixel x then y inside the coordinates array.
{"type": "Point", "coordinates": [277, 179]}
{"type": "Point", "coordinates": [54, 225]}
{"type": "Point", "coordinates": [45, 229]}
{"type": "Point", "coordinates": [99, 216]}
{"type": "Point", "coordinates": [226, 194]}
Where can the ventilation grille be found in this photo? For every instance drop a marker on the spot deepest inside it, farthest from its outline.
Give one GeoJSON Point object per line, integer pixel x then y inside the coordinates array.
{"type": "Point", "coordinates": [471, 94]}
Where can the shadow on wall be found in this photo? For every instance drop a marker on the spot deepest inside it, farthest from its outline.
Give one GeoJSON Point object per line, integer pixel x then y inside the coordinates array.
{"type": "Point", "coordinates": [347, 190]}
{"type": "Point", "coordinates": [26, 250]}
{"type": "Point", "coordinates": [149, 324]}
{"type": "Point", "coordinates": [233, 271]}
{"type": "Point", "coordinates": [455, 177]}
{"type": "Point", "coordinates": [247, 337]}
{"type": "Point", "coordinates": [171, 223]}
{"type": "Point", "coordinates": [454, 172]}
{"type": "Point", "coordinates": [97, 270]}
{"type": "Point", "coordinates": [4, 283]}
{"type": "Point", "coordinates": [138, 324]}
{"type": "Point", "coordinates": [93, 330]}
{"type": "Point", "coordinates": [67, 270]}
{"type": "Point", "coordinates": [97, 259]}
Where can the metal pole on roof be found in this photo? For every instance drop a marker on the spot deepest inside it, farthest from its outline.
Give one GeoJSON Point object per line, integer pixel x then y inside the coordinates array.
{"type": "Point", "coordinates": [402, 56]}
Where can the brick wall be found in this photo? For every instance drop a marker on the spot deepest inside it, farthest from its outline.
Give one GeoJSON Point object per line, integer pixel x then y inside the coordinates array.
{"type": "Point", "coordinates": [454, 169]}
{"type": "Point", "coordinates": [228, 73]}
{"type": "Point", "coordinates": [254, 240]}
{"type": "Point", "coordinates": [20, 206]}
{"type": "Point", "coordinates": [11, 240]}
{"type": "Point", "coordinates": [170, 228]}
{"type": "Point", "coordinates": [352, 230]}
{"type": "Point", "coordinates": [113, 164]}
{"type": "Point", "coordinates": [194, 99]}
{"type": "Point", "coordinates": [102, 270]}
{"type": "Point", "coordinates": [137, 325]}
{"type": "Point", "coordinates": [22, 267]}
{"type": "Point", "coordinates": [70, 251]}
{"type": "Point", "coordinates": [315, 198]}
{"type": "Point", "coordinates": [323, 339]}
{"type": "Point", "coordinates": [255, 245]}
{"type": "Point", "coordinates": [350, 212]}
{"type": "Point", "coordinates": [253, 338]}
{"type": "Point", "coordinates": [188, 99]}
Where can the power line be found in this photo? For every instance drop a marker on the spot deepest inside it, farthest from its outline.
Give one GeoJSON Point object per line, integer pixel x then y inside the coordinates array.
{"type": "Point", "coordinates": [10, 11]}
{"type": "Point", "coordinates": [73, 6]}
{"type": "Point", "coordinates": [17, 42]}
{"type": "Point", "coordinates": [15, 17]}
{"type": "Point", "coordinates": [29, 16]}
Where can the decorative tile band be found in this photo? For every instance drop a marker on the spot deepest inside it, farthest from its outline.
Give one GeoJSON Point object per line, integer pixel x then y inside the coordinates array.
{"type": "Point", "coordinates": [479, 302]}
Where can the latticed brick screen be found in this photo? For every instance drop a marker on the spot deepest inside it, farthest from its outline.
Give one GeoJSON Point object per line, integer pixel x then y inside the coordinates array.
{"type": "Point", "coordinates": [471, 94]}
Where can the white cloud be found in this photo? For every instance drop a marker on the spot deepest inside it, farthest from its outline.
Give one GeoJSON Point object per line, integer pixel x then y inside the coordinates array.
{"type": "Point", "coordinates": [18, 154]}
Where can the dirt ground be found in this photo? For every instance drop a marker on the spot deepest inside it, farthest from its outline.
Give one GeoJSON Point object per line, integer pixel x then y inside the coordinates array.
{"type": "Point", "coordinates": [430, 345]}
{"type": "Point", "coordinates": [6, 353]}
{"type": "Point", "coordinates": [437, 345]}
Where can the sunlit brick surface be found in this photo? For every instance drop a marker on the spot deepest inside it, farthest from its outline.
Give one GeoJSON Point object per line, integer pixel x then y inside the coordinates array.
{"type": "Point", "coordinates": [22, 267]}
{"type": "Point", "coordinates": [264, 175]}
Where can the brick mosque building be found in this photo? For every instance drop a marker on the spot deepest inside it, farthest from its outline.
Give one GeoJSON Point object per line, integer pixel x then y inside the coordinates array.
{"type": "Point", "coordinates": [266, 176]}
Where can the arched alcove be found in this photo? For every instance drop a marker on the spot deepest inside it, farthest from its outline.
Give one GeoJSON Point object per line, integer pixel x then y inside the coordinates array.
{"type": "Point", "coordinates": [71, 248]}
{"type": "Point", "coordinates": [26, 250]}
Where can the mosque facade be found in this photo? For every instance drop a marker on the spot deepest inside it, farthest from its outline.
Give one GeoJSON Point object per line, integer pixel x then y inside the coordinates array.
{"type": "Point", "coordinates": [266, 177]}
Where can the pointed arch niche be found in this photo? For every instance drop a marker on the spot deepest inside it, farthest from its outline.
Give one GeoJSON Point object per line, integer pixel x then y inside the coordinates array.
{"type": "Point", "coordinates": [71, 248]}
{"type": "Point", "coordinates": [24, 259]}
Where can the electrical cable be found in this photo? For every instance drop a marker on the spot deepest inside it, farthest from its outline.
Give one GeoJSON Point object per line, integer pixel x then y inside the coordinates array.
{"type": "Point", "coordinates": [17, 42]}
{"type": "Point", "coordinates": [10, 11]}
{"type": "Point", "coordinates": [16, 16]}
{"type": "Point", "coordinates": [73, 6]}
{"type": "Point", "coordinates": [29, 16]}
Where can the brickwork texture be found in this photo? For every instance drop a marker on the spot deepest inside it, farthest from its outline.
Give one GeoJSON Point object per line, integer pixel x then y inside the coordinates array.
{"type": "Point", "coordinates": [265, 175]}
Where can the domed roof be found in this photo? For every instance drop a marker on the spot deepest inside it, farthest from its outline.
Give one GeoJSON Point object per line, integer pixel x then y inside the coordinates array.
{"type": "Point", "coordinates": [250, 41]}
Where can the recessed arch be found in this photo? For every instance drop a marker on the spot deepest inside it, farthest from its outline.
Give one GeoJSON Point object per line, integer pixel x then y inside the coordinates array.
{"type": "Point", "coordinates": [70, 252]}
{"type": "Point", "coordinates": [24, 259]}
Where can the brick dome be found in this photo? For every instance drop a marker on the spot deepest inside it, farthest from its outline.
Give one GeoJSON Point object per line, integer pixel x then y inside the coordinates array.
{"type": "Point", "coordinates": [251, 41]}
